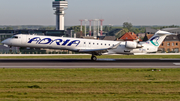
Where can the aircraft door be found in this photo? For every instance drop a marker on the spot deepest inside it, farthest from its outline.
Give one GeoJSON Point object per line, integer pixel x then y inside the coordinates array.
{"type": "Point", "coordinates": [23, 39]}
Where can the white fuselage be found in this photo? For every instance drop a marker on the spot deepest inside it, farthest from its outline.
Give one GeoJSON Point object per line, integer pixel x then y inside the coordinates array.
{"type": "Point", "coordinates": [75, 44]}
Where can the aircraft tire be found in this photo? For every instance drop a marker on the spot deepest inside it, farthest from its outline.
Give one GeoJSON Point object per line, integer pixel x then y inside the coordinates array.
{"type": "Point", "coordinates": [93, 58]}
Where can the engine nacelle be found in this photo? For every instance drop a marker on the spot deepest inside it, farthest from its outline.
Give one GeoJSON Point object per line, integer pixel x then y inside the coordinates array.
{"type": "Point", "coordinates": [132, 45]}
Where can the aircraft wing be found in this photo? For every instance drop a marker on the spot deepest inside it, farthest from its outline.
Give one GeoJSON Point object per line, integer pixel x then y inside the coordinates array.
{"type": "Point", "coordinates": [93, 50]}
{"type": "Point", "coordinates": [104, 50]}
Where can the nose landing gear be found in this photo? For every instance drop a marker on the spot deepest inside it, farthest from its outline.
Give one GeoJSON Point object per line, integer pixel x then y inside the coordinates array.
{"type": "Point", "coordinates": [10, 49]}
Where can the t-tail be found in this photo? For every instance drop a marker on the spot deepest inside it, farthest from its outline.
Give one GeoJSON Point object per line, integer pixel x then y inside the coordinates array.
{"type": "Point", "coordinates": [158, 38]}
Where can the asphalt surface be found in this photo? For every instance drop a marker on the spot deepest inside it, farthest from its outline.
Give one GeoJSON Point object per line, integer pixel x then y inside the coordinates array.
{"type": "Point", "coordinates": [86, 63]}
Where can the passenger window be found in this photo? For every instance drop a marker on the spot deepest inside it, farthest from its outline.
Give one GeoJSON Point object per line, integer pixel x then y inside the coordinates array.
{"type": "Point", "coordinates": [89, 43]}
{"type": "Point", "coordinates": [84, 42]}
{"type": "Point", "coordinates": [109, 45]}
{"type": "Point", "coordinates": [101, 44]}
{"type": "Point", "coordinates": [97, 43]}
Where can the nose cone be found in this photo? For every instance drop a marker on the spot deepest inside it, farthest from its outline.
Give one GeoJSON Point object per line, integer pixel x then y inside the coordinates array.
{"type": "Point", "coordinates": [5, 41]}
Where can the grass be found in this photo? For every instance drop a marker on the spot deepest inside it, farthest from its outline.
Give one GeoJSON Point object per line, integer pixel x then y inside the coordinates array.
{"type": "Point", "coordinates": [89, 84]}
{"type": "Point", "coordinates": [89, 56]}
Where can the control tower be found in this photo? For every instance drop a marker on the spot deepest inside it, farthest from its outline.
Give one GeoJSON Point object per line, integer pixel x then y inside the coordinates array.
{"type": "Point", "coordinates": [60, 6]}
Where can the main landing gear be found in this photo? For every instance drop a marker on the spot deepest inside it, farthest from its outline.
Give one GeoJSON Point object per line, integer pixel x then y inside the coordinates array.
{"type": "Point", "coordinates": [93, 58]}
{"type": "Point", "coordinates": [94, 54]}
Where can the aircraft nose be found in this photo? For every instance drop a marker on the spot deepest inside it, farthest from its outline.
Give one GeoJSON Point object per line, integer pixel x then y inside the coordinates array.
{"type": "Point", "coordinates": [4, 42]}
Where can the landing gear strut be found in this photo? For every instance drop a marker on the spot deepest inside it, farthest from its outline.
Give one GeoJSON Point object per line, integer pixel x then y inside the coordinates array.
{"type": "Point", "coordinates": [93, 58]}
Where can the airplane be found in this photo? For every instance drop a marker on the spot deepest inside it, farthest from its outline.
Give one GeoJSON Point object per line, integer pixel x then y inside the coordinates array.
{"type": "Point", "coordinates": [90, 46]}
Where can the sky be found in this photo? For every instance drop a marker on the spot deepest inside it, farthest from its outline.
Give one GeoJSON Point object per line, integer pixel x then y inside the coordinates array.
{"type": "Point", "coordinates": [115, 12]}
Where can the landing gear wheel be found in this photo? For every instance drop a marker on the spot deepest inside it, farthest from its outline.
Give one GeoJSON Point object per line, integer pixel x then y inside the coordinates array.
{"type": "Point", "coordinates": [93, 58]}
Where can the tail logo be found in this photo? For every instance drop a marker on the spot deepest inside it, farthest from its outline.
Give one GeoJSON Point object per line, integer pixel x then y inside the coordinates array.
{"type": "Point", "coordinates": [154, 41]}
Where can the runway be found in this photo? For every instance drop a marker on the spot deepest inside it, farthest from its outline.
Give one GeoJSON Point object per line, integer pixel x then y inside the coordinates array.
{"type": "Point", "coordinates": [86, 63]}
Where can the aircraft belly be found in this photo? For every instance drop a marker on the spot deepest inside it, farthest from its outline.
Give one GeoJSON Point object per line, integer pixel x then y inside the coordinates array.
{"type": "Point", "coordinates": [137, 50]}
{"type": "Point", "coordinates": [111, 52]}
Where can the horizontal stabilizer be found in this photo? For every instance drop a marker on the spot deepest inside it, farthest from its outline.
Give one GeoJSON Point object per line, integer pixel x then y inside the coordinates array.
{"type": "Point", "coordinates": [163, 33]}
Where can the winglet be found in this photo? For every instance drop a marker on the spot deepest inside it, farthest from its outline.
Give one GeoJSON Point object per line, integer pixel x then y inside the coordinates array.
{"type": "Point", "coordinates": [114, 47]}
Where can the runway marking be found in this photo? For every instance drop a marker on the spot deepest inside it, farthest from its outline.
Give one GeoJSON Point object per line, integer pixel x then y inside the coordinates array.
{"type": "Point", "coordinates": [90, 66]}
{"type": "Point", "coordinates": [176, 63]}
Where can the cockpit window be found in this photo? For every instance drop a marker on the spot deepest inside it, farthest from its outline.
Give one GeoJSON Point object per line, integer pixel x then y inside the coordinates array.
{"type": "Point", "coordinates": [14, 37]}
